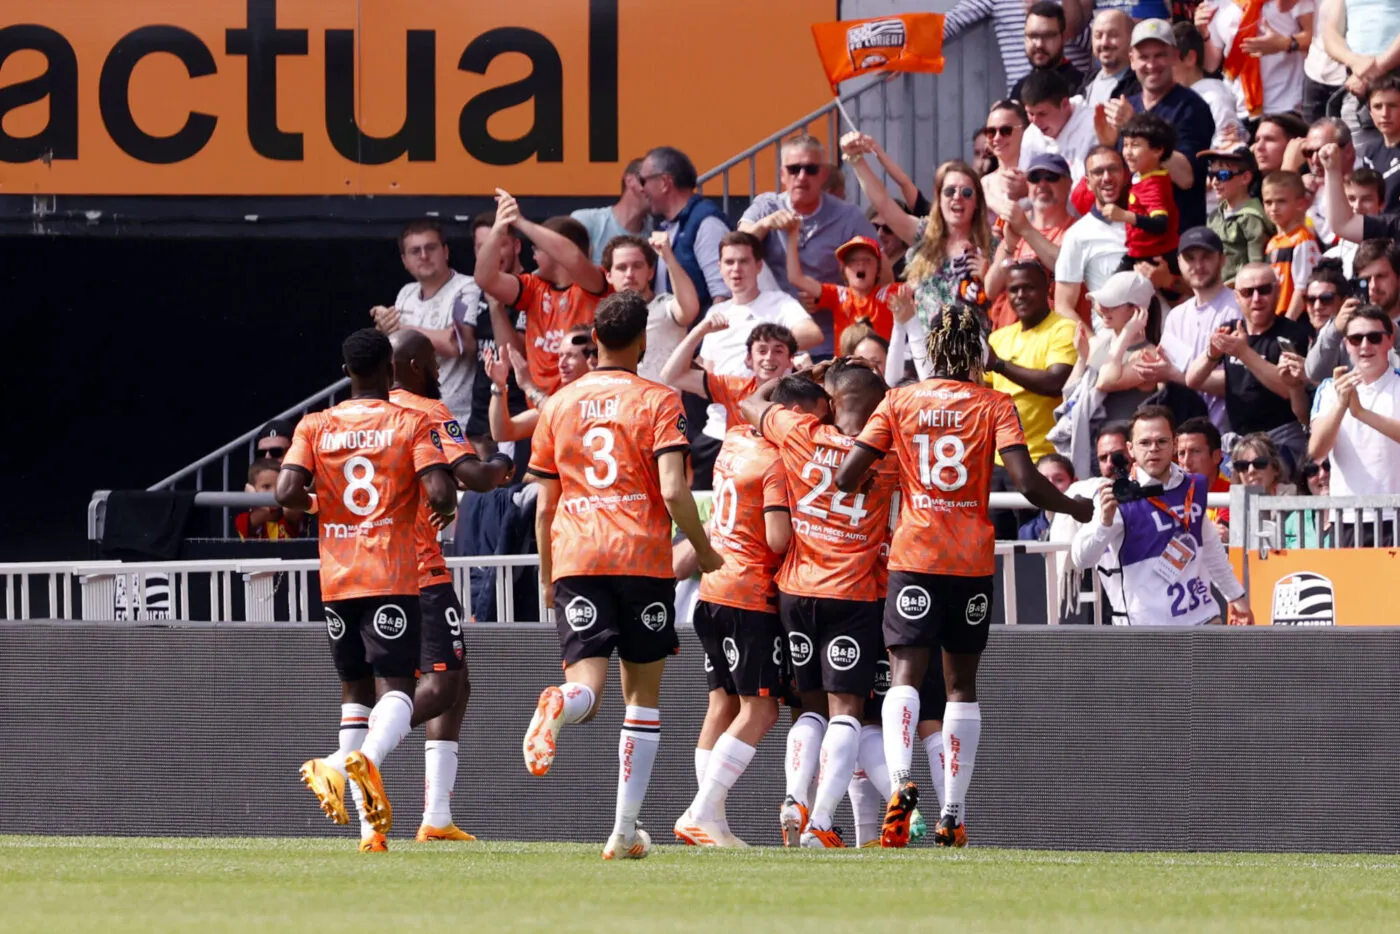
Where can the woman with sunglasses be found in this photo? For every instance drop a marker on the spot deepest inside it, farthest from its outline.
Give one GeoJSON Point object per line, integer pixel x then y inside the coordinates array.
{"type": "Point", "coordinates": [1255, 461]}
{"type": "Point", "coordinates": [951, 247]}
{"type": "Point", "coordinates": [1006, 125]}
{"type": "Point", "coordinates": [1311, 528]}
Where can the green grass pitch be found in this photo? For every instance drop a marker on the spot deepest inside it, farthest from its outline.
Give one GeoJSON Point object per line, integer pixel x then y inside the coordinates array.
{"type": "Point", "coordinates": [311, 886]}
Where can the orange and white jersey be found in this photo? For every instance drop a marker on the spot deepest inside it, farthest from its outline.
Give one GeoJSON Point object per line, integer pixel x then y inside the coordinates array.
{"type": "Point", "coordinates": [366, 456]}
{"type": "Point", "coordinates": [600, 437]}
{"type": "Point", "coordinates": [838, 539]}
{"type": "Point", "coordinates": [945, 434]}
{"type": "Point", "coordinates": [549, 314]}
{"type": "Point", "coordinates": [432, 567]}
{"type": "Point", "coordinates": [749, 483]}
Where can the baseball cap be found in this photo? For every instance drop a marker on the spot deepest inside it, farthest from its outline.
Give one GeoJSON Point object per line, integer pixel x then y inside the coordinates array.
{"type": "Point", "coordinates": [1202, 237]}
{"type": "Point", "coordinates": [855, 243]}
{"type": "Point", "coordinates": [277, 428]}
{"type": "Point", "coordinates": [1240, 153]}
{"type": "Point", "coordinates": [1048, 162]}
{"type": "Point", "coordinates": [1153, 30]}
{"type": "Point", "coordinates": [1124, 288]}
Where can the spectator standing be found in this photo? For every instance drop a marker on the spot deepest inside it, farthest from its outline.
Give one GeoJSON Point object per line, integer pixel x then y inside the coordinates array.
{"type": "Point", "coordinates": [1273, 137]}
{"type": "Point", "coordinates": [1256, 461]}
{"type": "Point", "coordinates": [1323, 132]}
{"type": "Point", "coordinates": [1152, 219]}
{"type": "Point", "coordinates": [1364, 192]}
{"type": "Point", "coordinates": [273, 440]}
{"type": "Point", "coordinates": [630, 265]}
{"type": "Point", "coordinates": [1189, 326]}
{"type": "Point", "coordinates": [1362, 35]}
{"type": "Point", "coordinates": [982, 159]}
{"type": "Point", "coordinates": [1383, 154]}
{"type": "Point", "coordinates": [1005, 131]}
{"type": "Point", "coordinates": [1045, 45]}
{"type": "Point", "coordinates": [1313, 528]}
{"type": "Point", "coordinates": [1190, 72]}
{"type": "Point", "coordinates": [1199, 451]}
{"type": "Point", "coordinates": [1059, 124]}
{"type": "Point", "coordinates": [694, 224]}
{"type": "Point", "coordinates": [1060, 472]}
{"type": "Point", "coordinates": [1357, 422]}
{"type": "Point", "coordinates": [426, 305]}
{"type": "Point", "coordinates": [627, 216]}
{"type": "Point", "coordinates": [1262, 383]}
{"type": "Point", "coordinates": [826, 223]}
{"type": "Point", "coordinates": [1009, 23]}
{"type": "Point", "coordinates": [481, 320]}
{"type": "Point", "coordinates": [1323, 75]}
{"type": "Point", "coordinates": [1324, 294]}
{"type": "Point", "coordinates": [861, 301]}
{"type": "Point", "coordinates": [1034, 237]}
{"type": "Point", "coordinates": [724, 350]}
{"type": "Point", "coordinates": [1238, 220]}
{"type": "Point", "coordinates": [1262, 59]}
{"type": "Point", "coordinates": [1378, 263]}
{"type": "Point", "coordinates": [1128, 305]}
{"type": "Point", "coordinates": [1294, 250]}
{"type": "Point", "coordinates": [1109, 38]}
{"type": "Point", "coordinates": [1093, 246]}
{"type": "Point", "coordinates": [1154, 59]}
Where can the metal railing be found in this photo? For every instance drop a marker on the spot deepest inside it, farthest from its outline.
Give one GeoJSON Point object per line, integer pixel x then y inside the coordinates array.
{"type": "Point", "coordinates": [1291, 521]}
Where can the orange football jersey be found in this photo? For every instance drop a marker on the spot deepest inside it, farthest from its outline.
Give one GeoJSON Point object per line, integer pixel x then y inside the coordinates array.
{"type": "Point", "coordinates": [549, 314]}
{"type": "Point", "coordinates": [838, 539]}
{"type": "Point", "coordinates": [848, 308]}
{"type": "Point", "coordinates": [749, 483]}
{"type": "Point", "coordinates": [432, 567]}
{"type": "Point", "coordinates": [366, 456]}
{"type": "Point", "coordinates": [945, 434]}
{"type": "Point", "coordinates": [729, 391]}
{"type": "Point", "coordinates": [600, 437]}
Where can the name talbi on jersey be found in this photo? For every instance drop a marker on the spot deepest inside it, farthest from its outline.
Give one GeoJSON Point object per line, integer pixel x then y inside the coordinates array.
{"type": "Point", "coordinates": [597, 408]}
{"type": "Point", "coordinates": [367, 440]}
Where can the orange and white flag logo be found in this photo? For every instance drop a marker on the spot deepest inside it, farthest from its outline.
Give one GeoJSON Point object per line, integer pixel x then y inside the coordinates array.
{"type": "Point", "coordinates": [911, 42]}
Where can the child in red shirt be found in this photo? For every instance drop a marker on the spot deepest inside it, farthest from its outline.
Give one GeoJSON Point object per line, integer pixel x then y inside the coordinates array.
{"type": "Point", "coordinates": [1151, 215]}
{"type": "Point", "coordinates": [861, 300]}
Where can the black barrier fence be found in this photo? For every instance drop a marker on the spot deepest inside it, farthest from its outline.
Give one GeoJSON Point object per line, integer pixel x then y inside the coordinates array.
{"type": "Point", "coordinates": [1206, 739]}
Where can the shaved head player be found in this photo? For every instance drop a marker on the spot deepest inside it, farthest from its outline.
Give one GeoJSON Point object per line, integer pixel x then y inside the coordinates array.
{"type": "Point", "coordinates": [945, 432]}
{"type": "Point", "coordinates": [373, 462]}
{"type": "Point", "coordinates": [609, 454]}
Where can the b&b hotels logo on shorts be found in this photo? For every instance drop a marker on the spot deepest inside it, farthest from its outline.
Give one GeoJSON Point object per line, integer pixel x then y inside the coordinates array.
{"type": "Point", "coordinates": [654, 618]}
{"type": "Point", "coordinates": [580, 613]}
{"type": "Point", "coordinates": [977, 609]}
{"type": "Point", "coordinates": [731, 653]}
{"type": "Point", "coordinates": [913, 602]}
{"type": "Point", "coordinates": [883, 679]}
{"type": "Point", "coordinates": [800, 648]}
{"type": "Point", "coordinates": [335, 626]}
{"type": "Point", "coordinates": [842, 653]}
{"type": "Point", "coordinates": [390, 621]}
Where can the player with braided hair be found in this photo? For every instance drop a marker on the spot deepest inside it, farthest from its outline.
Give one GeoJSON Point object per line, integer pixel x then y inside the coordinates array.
{"type": "Point", "coordinates": [945, 432]}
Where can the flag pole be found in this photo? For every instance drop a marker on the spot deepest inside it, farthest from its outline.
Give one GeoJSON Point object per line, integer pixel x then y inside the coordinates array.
{"type": "Point", "coordinates": [842, 107]}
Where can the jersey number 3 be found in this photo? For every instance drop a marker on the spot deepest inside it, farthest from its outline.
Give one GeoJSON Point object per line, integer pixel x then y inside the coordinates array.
{"type": "Point", "coordinates": [599, 443]}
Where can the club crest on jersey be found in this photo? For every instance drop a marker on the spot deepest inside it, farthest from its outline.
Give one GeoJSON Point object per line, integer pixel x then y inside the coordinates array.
{"type": "Point", "coordinates": [454, 431]}
{"type": "Point", "coordinates": [842, 653]}
{"type": "Point", "coordinates": [654, 617]}
{"type": "Point", "coordinates": [800, 648]}
{"type": "Point", "coordinates": [390, 621]}
{"type": "Point", "coordinates": [913, 602]}
{"type": "Point", "coordinates": [335, 626]}
{"type": "Point", "coordinates": [977, 609]}
{"type": "Point", "coordinates": [580, 614]}
{"type": "Point", "coordinates": [883, 678]}
{"type": "Point", "coordinates": [731, 652]}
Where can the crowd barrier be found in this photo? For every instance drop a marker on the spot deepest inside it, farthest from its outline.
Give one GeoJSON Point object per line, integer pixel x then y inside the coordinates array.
{"type": "Point", "coordinates": [1093, 738]}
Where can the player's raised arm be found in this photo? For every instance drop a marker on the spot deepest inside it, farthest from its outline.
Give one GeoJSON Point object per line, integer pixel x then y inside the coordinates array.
{"type": "Point", "coordinates": [503, 286]}
{"type": "Point", "coordinates": [1040, 491]}
{"type": "Point", "coordinates": [564, 251]}
{"type": "Point", "coordinates": [680, 504]}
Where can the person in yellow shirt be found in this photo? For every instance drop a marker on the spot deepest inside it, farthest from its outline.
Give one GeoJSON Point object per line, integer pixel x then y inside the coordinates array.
{"type": "Point", "coordinates": [1029, 361]}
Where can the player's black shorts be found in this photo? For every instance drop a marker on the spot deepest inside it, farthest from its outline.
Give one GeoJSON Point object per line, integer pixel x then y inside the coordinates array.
{"type": "Point", "coordinates": [938, 611]}
{"type": "Point", "coordinates": [374, 636]}
{"type": "Point", "coordinates": [442, 648]}
{"type": "Point", "coordinates": [743, 649]}
{"type": "Point", "coordinates": [875, 703]}
{"type": "Point", "coordinates": [636, 616]}
{"type": "Point", "coordinates": [834, 645]}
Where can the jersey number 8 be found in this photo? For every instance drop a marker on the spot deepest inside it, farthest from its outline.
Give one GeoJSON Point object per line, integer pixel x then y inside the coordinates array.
{"type": "Point", "coordinates": [359, 478]}
{"type": "Point", "coordinates": [947, 453]}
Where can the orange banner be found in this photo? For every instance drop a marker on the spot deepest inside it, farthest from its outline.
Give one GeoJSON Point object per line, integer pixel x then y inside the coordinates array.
{"type": "Point", "coordinates": [348, 97]}
{"type": "Point", "coordinates": [1322, 587]}
{"type": "Point", "coordinates": [911, 42]}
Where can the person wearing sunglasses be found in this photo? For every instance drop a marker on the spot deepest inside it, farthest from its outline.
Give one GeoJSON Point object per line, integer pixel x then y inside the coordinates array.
{"type": "Point", "coordinates": [1378, 264]}
{"type": "Point", "coordinates": [1238, 219]}
{"type": "Point", "coordinates": [1327, 131]}
{"type": "Point", "coordinates": [1357, 422]}
{"type": "Point", "coordinates": [1324, 294]}
{"type": "Point", "coordinates": [1004, 133]}
{"type": "Point", "coordinates": [825, 222]}
{"type": "Point", "coordinates": [1312, 528]}
{"type": "Point", "coordinates": [273, 440]}
{"type": "Point", "coordinates": [1036, 236]}
{"type": "Point", "coordinates": [1255, 461]}
{"type": "Point", "coordinates": [1263, 384]}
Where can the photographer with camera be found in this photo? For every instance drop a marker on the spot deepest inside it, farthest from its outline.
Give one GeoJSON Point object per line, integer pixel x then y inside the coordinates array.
{"type": "Point", "coordinates": [1151, 523]}
{"type": "Point", "coordinates": [1377, 282]}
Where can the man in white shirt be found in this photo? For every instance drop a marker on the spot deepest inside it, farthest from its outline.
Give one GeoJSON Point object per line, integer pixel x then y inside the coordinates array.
{"type": "Point", "coordinates": [628, 216]}
{"type": "Point", "coordinates": [630, 263]}
{"type": "Point", "coordinates": [1356, 422]}
{"type": "Point", "coordinates": [426, 305]}
{"type": "Point", "coordinates": [1189, 72]}
{"type": "Point", "coordinates": [1187, 330]}
{"type": "Point", "coordinates": [1279, 44]}
{"type": "Point", "coordinates": [1093, 247]}
{"type": "Point", "coordinates": [1059, 124]}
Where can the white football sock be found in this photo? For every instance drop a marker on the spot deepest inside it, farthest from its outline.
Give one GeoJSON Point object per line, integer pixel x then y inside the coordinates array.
{"type": "Point", "coordinates": [354, 723]}
{"type": "Point", "coordinates": [636, 753]}
{"type": "Point", "coordinates": [578, 701]}
{"type": "Point", "coordinates": [867, 807]}
{"type": "Point", "coordinates": [804, 743]}
{"type": "Point", "coordinates": [871, 759]}
{"type": "Point", "coordinates": [702, 761]}
{"type": "Point", "coordinates": [962, 728]}
{"type": "Point", "coordinates": [839, 748]}
{"type": "Point", "coordinates": [388, 725]}
{"type": "Point", "coordinates": [439, 778]}
{"type": "Point", "coordinates": [899, 718]}
{"type": "Point", "coordinates": [933, 746]}
{"type": "Point", "coordinates": [728, 760]}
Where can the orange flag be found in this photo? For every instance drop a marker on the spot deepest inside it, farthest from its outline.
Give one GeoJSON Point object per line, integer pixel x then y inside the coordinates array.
{"type": "Point", "coordinates": [1242, 66]}
{"type": "Point", "coordinates": [851, 48]}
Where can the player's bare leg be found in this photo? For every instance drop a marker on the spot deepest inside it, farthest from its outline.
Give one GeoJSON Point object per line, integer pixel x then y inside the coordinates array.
{"type": "Point", "coordinates": [636, 753]}
{"type": "Point", "coordinates": [440, 758]}
{"type": "Point", "coordinates": [704, 822]}
{"type": "Point", "coordinates": [720, 713]}
{"type": "Point", "coordinates": [840, 748]}
{"type": "Point", "coordinates": [800, 765]}
{"type": "Point", "coordinates": [962, 729]}
{"type": "Point", "coordinates": [900, 719]}
{"type": "Point", "coordinates": [574, 701]}
{"type": "Point", "coordinates": [326, 777]}
{"type": "Point", "coordinates": [388, 725]}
